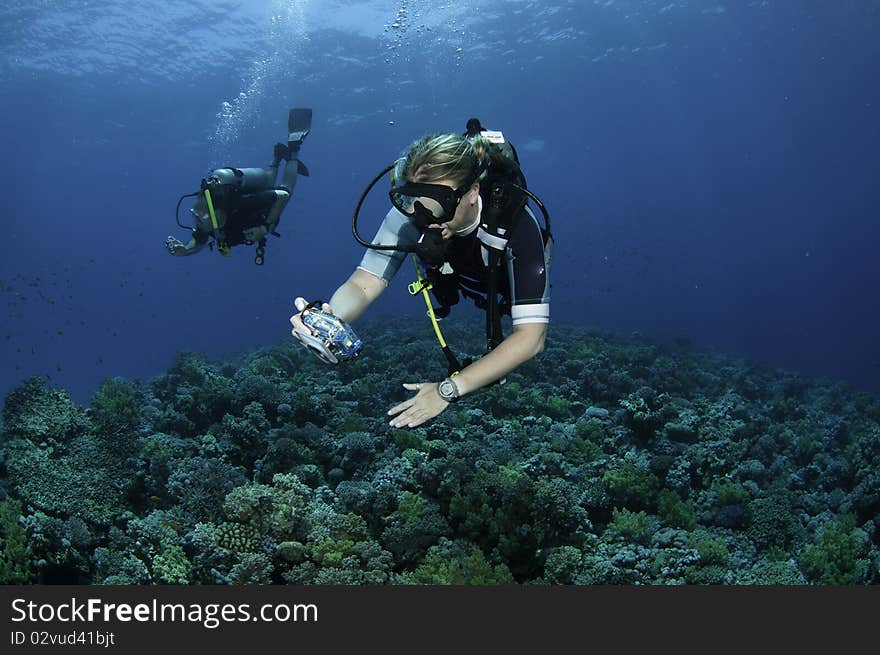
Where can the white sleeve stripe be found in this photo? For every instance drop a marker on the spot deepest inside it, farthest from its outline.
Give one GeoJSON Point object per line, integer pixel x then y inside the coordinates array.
{"type": "Point", "coordinates": [536, 309]}
{"type": "Point", "coordinates": [530, 313]}
{"type": "Point", "coordinates": [524, 321]}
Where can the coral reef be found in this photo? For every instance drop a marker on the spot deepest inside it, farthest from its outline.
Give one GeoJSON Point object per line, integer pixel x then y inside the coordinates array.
{"type": "Point", "coordinates": [605, 460]}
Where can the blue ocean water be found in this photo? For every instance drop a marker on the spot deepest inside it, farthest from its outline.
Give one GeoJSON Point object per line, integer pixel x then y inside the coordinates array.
{"type": "Point", "coordinates": [710, 167]}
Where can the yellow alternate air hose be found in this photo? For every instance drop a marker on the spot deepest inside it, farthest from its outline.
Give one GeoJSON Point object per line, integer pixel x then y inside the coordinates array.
{"type": "Point", "coordinates": [424, 286]}
{"type": "Point", "coordinates": [222, 247]}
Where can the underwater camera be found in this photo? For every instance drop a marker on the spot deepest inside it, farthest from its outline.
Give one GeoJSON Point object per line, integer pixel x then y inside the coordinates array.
{"type": "Point", "coordinates": [330, 338]}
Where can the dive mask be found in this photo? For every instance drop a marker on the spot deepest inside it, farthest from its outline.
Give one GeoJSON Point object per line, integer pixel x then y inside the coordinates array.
{"type": "Point", "coordinates": [427, 203]}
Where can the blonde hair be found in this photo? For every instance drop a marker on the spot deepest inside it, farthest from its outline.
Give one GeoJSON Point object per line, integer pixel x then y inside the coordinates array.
{"type": "Point", "coordinates": [444, 156]}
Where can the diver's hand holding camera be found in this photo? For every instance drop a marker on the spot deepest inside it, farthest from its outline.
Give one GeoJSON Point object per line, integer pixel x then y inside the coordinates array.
{"type": "Point", "coordinates": [323, 333]}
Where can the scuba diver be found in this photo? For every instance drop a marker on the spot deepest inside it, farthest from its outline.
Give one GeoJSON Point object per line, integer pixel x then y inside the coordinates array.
{"type": "Point", "coordinates": [459, 206]}
{"type": "Point", "coordinates": [237, 206]}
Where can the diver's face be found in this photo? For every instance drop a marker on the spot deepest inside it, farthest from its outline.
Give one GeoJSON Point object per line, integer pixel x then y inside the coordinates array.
{"type": "Point", "coordinates": [199, 208]}
{"type": "Point", "coordinates": [199, 216]}
{"type": "Point", "coordinates": [465, 211]}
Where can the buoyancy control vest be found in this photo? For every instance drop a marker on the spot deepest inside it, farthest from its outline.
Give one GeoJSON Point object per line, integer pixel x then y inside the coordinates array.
{"type": "Point", "coordinates": [504, 194]}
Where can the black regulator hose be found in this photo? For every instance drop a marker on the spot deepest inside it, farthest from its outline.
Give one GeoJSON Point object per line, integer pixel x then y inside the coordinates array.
{"type": "Point", "coordinates": [357, 211]}
{"type": "Point", "coordinates": [177, 211]}
{"type": "Point", "coordinates": [538, 202]}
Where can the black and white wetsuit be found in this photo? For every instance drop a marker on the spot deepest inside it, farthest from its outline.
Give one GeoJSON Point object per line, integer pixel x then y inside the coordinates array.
{"type": "Point", "coordinates": [524, 279]}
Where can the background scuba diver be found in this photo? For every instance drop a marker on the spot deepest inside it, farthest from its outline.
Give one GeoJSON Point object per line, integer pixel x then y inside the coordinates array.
{"type": "Point", "coordinates": [245, 202]}
{"type": "Point", "coordinates": [441, 201]}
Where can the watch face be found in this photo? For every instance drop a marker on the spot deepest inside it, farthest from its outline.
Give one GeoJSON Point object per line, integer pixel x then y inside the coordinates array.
{"type": "Point", "coordinates": [447, 389]}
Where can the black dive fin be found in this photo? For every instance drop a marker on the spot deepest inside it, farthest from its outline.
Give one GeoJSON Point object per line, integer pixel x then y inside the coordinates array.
{"type": "Point", "coordinates": [299, 122]}
{"type": "Point", "coordinates": [299, 119]}
{"type": "Point", "coordinates": [301, 168]}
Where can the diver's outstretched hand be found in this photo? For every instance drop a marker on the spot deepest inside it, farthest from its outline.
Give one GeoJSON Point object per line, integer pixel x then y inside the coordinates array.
{"type": "Point", "coordinates": [175, 246]}
{"type": "Point", "coordinates": [424, 406]}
